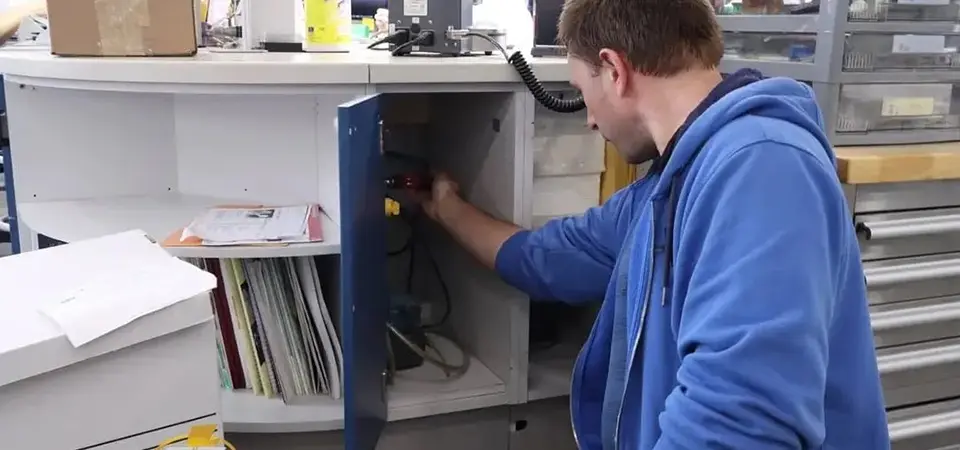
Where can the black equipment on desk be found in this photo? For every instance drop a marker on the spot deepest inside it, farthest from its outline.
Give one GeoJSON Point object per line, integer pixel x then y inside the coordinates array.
{"type": "Point", "coordinates": [546, 14]}
{"type": "Point", "coordinates": [366, 8]}
{"type": "Point", "coordinates": [445, 30]}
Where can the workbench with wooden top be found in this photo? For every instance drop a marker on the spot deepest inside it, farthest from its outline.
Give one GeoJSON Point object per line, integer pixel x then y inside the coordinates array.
{"type": "Point", "coordinates": [906, 205]}
{"type": "Point", "coordinates": [899, 163]}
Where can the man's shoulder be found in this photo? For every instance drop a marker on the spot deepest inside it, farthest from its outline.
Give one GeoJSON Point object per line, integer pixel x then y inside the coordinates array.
{"type": "Point", "coordinates": [750, 130]}
{"type": "Point", "coordinates": [754, 133]}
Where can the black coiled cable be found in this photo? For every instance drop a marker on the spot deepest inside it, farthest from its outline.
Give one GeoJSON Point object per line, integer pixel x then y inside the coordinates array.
{"type": "Point", "coordinates": [534, 85]}
{"type": "Point", "coordinates": [548, 100]}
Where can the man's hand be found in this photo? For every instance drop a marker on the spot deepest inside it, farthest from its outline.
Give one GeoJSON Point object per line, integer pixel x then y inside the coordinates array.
{"type": "Point", "coordinates": [444, 197]}
{"type": "Point", "coordinates": [32, 8]}
{"type": "Point", "coordinates": [10, 18]}
{"type": "Point", "coordinates": [38, 8]}
{"type": "Point", "coordinates": [479, 233]}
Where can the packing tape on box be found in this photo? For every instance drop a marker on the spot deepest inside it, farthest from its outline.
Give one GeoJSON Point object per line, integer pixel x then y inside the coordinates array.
{"type": "Point", "coordinates": [121, 24]}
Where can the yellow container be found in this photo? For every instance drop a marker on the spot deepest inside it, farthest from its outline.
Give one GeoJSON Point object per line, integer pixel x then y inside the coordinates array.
{"type": "Point", "coordinates": [327, 25]}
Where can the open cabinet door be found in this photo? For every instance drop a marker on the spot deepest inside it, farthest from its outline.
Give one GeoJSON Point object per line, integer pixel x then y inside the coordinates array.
{"type": "Point", "coordinates": [364, 292]}
{"type": "Point", "coordinates": [6, 178]}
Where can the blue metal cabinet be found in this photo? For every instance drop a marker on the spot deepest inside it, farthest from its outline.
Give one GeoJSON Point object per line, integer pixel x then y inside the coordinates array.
{"type": "Point", "coordinates": [364, 292]}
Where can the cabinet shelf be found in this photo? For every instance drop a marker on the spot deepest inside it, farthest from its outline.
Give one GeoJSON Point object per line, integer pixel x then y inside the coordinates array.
{"type": "Point", "coordinates": [415, 393]}
{"type": "Point", "coordinates": [551, 370]}
{"type": "Point", "coordinates": [158, 215]}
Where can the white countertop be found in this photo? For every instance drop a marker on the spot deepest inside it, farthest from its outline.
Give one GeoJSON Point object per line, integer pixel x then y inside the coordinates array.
{"type": "Point", "coordinates": [235, 68]}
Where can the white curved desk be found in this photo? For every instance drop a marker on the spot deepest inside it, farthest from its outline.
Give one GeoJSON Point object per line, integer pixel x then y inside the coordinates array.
{"type": "Point", "coordinates": [256, 72]}
{"type": "Point", "coordinates": [102, 145]}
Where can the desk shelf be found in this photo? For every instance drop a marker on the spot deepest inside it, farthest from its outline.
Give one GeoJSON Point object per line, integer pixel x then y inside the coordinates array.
{"type": "Point", "coordinates": [160, 216]}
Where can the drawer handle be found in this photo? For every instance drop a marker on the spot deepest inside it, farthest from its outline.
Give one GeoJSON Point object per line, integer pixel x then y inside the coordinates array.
{"type": "Point", "coordinates": [899, 228]}
{"type": "Point", "coordinates": [924, 426]}
{"type": "Point", "coordinates": [919, 359]}
{"type": "Point", "coordinates": [911, 317]}
{"type": "Point", "coordinates": [905, 273]}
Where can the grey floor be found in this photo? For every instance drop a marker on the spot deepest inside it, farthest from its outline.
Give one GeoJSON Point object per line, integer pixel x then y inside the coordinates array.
{"type": "Point", "coordinates": [543, 425]}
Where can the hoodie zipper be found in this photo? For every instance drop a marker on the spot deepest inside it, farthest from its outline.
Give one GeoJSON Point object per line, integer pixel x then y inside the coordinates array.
{"type": "Point", "coordinates": [573, 381]}
{"type": "Point", "coordinates": [648, 289]}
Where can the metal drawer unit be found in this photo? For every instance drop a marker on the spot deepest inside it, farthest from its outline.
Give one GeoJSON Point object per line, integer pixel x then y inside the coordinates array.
{"type": "Point", "coordinates": [927, 427]}
{"type": "Point", "coordinates": [901, 234]}
{"type": "Point", "coordinates": [910, 244]}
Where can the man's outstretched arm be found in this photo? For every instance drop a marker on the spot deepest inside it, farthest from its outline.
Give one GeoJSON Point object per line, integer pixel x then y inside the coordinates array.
{"type": "Point", "coordinates": [11, 18]}
{"type": "Point", "coordinates": [568, 259]}
{"type": "Point", "coordinates": [759, 254]}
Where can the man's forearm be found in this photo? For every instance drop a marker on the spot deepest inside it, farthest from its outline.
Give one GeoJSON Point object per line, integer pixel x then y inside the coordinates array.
{"type": "Point", "coordinates": [11, 18]}
{"type": "Point", "coordinates": [475, 230]}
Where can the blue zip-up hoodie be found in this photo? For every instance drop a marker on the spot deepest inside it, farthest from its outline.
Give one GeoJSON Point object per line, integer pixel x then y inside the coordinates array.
{"type": "Point", "coordinates": [734, 272]}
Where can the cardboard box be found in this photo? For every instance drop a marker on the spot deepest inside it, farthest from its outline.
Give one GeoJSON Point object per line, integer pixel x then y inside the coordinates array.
{"type": "Point", "coordinates": [123, 27]}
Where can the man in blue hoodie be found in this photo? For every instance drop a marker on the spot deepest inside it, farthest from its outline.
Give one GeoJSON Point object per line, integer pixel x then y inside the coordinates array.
{"type": "Point", "coordinates": [734, 313]}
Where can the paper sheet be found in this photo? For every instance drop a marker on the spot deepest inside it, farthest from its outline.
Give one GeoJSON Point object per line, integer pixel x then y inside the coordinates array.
{"type": "Point", "coordinates": [117, 298]}
{"type": "Point", "coordinates": [35, 283]}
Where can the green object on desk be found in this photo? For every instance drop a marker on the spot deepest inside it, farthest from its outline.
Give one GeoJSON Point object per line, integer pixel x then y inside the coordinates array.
{"type": "Point", "coordinates": [360, 31]}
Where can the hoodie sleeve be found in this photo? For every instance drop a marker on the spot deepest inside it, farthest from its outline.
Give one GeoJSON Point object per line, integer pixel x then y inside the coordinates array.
{"type": "Point", "coordinates": [569, 259]}
{"type": "Point", "coordinates": [759, 246]}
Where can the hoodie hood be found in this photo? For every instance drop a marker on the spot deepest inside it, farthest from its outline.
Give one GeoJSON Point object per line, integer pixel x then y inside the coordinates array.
{"type": "Point", "coordinates": [744, 93]}
{"type": "Point", "coordinates": [740, 94]}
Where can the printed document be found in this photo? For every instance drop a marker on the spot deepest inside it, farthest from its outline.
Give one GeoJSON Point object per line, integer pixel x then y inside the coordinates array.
{"type": "Point", "coordinates": [260, 225]}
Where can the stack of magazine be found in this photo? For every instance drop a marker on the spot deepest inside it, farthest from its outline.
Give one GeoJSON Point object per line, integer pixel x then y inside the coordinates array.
{"type": "Point", "coordinates": [276, 335]}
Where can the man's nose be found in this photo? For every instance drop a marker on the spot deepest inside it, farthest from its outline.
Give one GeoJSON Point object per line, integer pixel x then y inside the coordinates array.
{"type": "Point", "coordinates": [591, 123]}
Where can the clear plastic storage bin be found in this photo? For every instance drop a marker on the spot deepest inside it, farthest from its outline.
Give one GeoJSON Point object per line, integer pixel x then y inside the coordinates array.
{"type": "Point", "coordinates": [763, 7]}
{"type": "Point", "coordinates": [770, 46]}
{"type": "Point", "coordinates": [904, 11]}
{"type": "Point", "coordinates": [869, 52]}
{"type": "Point", "coordinates": [560, 196]}
{"type": "Point", "coordinates": [568, 155]}
{"type": "Point", "coordinates": [897, 107]}
{"type": "Point", "coordinates": [563, 144]}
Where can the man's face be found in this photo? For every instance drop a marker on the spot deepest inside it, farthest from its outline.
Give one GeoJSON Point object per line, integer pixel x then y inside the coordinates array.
{"type": "Point", "coordinates": [611, 95]}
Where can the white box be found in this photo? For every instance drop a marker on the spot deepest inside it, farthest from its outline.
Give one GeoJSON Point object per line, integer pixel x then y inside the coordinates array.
{"type": "Point", "coordinates": [129, 389]}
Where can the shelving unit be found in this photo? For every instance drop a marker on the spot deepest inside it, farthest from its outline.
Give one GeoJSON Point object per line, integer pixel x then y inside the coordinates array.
{"type": "Point", "coordinates": [884, 72]}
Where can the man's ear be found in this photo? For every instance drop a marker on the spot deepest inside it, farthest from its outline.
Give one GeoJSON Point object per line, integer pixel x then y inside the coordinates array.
{"type": "Point", "coordinates": [617, 69]}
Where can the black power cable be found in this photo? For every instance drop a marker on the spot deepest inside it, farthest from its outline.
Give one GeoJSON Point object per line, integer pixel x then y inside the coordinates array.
{"type": "Point", "coordinates": [533, 84]}
{"type": "Point", "coordinates": [548, 100]}
{"type": "Point", "coordinates": [410, 246]}
{"type": "Point", "coordinates": [422, 38]}
{"type": "Point", "coordinates": [395, 38]}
